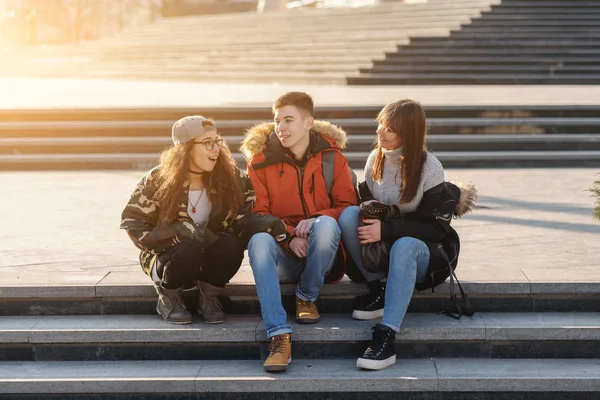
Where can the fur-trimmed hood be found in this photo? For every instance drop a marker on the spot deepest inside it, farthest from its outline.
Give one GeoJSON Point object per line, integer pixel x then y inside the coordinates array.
{"type": "Point", "coordinates": [255, 138]}
{"type": "Point", "coordinates": [468, 195]}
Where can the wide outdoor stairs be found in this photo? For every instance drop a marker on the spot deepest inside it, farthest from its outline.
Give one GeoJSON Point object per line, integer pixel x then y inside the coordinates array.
{"type": "Point", "coordinates": [299, 45]}
{"type": "Point", "coordinates": [460, 136]}
{"type": "Point", "coordinates": [516, 42]}
{"type": "Point", "coordinates": [528, 340]}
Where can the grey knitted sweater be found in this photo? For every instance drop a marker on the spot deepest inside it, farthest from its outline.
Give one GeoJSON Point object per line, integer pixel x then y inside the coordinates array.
{"type": "Point", "coordinates": [389, 189]}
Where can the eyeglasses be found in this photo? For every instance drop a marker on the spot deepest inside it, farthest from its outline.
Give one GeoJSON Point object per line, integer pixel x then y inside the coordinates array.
{"type": "Point", "coordinates": [210, 144]}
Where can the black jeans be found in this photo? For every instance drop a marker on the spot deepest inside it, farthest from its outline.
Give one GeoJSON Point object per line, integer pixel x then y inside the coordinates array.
{"type": "Point", "coordinates": [186, 262]}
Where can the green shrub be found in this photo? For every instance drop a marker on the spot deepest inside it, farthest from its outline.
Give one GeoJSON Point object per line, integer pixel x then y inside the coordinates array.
{"type": "Point", "coordinates": [596, 194]}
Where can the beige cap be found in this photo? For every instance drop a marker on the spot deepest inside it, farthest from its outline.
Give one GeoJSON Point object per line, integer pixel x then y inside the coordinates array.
{"type": "Point", "coordinates": [189, 128]}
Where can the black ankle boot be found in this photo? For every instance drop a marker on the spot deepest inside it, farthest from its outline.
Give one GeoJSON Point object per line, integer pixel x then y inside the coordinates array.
{"type": "Point", "coordinates": [370, 306]}
{"type": "Point", "coordinates": [380, 354]}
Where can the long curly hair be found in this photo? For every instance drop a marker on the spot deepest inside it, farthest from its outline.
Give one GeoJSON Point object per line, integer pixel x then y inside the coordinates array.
{"type": "Point", "coordinates": [406, 118]}
{"type": "Point", "coordinates": [221, 185]}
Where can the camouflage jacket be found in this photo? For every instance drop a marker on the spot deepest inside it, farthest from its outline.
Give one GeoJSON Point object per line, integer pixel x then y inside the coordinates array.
{"type": "Point", "coordinates": [139, 219]}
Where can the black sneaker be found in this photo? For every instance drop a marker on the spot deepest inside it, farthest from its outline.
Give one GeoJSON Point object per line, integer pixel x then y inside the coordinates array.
{"type": "Point", "coordinates": [380, 354]}
{"type": "Point", "coordinates": [370, 306]}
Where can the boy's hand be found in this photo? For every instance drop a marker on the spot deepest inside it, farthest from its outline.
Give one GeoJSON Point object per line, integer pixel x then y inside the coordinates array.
{"type": "Point", "coordinates": [303, 228]}
{"type": "Point", "coordinates": [299, 246]}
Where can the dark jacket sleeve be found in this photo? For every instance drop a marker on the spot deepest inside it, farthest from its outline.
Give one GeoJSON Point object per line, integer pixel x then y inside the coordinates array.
{"type": "Point", "coordinates": [364, 193]}
{"type": "Point", "coordinates": [429, 231]}
{"type": "Point", "coordinates": [241, 218]}
{"type": "Point", "coordinates": [430, 222]}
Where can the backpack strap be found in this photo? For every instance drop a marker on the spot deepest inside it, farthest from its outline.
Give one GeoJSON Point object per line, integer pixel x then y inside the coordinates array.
{"type": "Point", "coordinates": [328, 165]}
{"type": "Point", "coordinates": [461, 306]}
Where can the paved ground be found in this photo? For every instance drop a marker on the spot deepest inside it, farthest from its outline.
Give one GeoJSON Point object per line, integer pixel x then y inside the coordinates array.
{"type": "Point", "coordinates": [532, 225]}
{"type": "Point", "coordinates": [58, 93]}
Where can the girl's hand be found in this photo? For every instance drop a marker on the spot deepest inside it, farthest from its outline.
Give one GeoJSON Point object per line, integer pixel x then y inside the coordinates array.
{"type": "Point", "coordinates": [370, 233]}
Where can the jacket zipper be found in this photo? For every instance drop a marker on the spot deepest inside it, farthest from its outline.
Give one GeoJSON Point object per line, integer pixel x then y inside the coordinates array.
{"type": "Point", "coordinates": [300, 173]}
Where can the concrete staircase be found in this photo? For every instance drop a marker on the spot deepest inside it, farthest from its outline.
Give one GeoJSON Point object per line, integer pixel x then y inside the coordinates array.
{"type": "Point", "coordinates": [516, 42]}
{"type": "Point", "coordinates": [527, 341]}
{"type": "Point", "coordinates": [300, 45]}
{"type": "Point", "coordinates": [466, 136]}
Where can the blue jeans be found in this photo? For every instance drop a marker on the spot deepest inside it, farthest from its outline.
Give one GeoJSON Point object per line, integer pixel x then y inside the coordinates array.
{"type": "Point", "coordinates": [409, 264]}
{"type": "Point", "coordinates": [272, 264]}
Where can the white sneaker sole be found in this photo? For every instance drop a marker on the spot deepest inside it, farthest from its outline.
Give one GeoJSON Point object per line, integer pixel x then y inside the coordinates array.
{"type": "Point", "coordinates": [375, 365]}
{"type": "Point", "coordinates": [367, 315]}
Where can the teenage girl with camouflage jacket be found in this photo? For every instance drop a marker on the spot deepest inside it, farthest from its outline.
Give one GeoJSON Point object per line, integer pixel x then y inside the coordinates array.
{"type": "Point", "coordinates": [187, 217]}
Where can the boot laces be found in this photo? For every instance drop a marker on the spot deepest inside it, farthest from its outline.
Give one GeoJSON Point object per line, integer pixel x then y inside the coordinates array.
{"type": "Point", "coordinates": [306, 303]}
{"type": "Point", "coordinates": [178, 301]}
{"type": "Point", "coordinates": [214, 301]}
{"type": "Point", "coordinates": [380, 340]}
{"type": "Point", "coordinates": [278, 344]}
{"type": "Point", "coordinates": [372, 298]}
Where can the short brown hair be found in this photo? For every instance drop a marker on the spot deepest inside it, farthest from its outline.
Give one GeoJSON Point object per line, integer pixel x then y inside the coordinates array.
{"type": "Point", "coordinates": [302, 101]}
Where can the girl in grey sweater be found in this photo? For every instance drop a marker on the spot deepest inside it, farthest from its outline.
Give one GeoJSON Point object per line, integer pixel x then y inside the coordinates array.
{"type": "Point", "coordinates": [398, 172]}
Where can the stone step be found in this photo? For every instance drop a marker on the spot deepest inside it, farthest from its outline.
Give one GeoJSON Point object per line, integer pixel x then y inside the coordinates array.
{"type": "Point", "coordinates": [364, 143]}
{"type": "Point", "coordinates": [174, 45]}
{"type": "Point", "coordinates": [148, 337]}
{"type": "Point", "coordinates": [313, 77]}
{"type": "Point", "coordinates": [237, 118]}
{"type": "Point", "coordinates": [558, 11]}
{"type": "Point", "coordinates": [399, 34]}
{"type": "Point", "coordinates": [471, 79]}
{"type": "Point", "coordinates": [221, 52]}
{"type": "Point", "coordinates": [548, 44]}
{"type": "Point", "coordinates": [295, 35]}
{"type": "Point", "coordinates": [305, 14]}
{"type": "Point", "coordinates": [73, 66]}
{"type": "Point", "coordinates": [516, 24]}
{"type": "Point", "coordinates": [354, 126]}
{"type": "Point", "coordinates": [306, 26]}
{"type": "Point", "coordinates": [454, 159]}
{"type": "Point", "coordinates": [524, 4]}
{"type": "Point", "coordinates": [191, 67]}
{"type": "Point", "coordinates": [472, 35]}
{"type": "Point", "coordinates": [463, 378]}
{"type": "Point", "coordinates": [490, 69]}
{"type": "Point", "coordinates": [495, 60]}
{"type": "Point", "coordinates": [132, 293]}
{"type": "Point", "coordinates": [504, 52]}
{"type": "Point", "coordinates": [240, 125]}
{"type": "Point", "coordinates": [560, 17]}
{"type": "Point", "coordinates": [292, 36]}
{"type": "Point", "coordinates": [526, 30]}
{"type": "Point", "coordinates": [224, 54]}
{"type": "Point", "coordinates": [321, 76]}
{"type": "Point", "coordinates": [177, 45]}
{"type": "Point", "coordinates": [461, 70]}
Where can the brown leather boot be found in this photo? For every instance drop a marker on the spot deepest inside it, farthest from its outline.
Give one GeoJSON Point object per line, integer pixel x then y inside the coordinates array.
{"type": "Point", "coordinates": [170, 306]}
{"type": "Point", "coordinates": [306, 312]}
{"type": "Point", "coordinates": [280, 353]}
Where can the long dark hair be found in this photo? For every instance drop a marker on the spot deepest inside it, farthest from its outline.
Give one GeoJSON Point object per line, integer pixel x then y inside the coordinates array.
{"type": "Point", "coordinates": [406, 118]}
{"type": "Point", "coordinates": [221, 184]}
